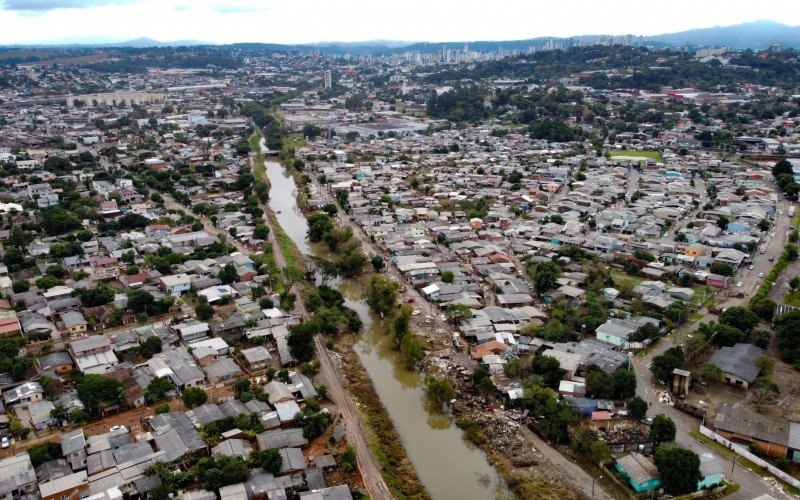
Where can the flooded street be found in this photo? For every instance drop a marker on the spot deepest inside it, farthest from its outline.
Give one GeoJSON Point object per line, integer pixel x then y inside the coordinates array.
{"type": "Point", "coordinates": [447, 465]}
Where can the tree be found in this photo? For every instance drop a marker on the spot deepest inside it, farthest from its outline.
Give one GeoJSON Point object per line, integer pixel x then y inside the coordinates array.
{"type": "Point", "coordinates": [599, 384]}
{"type": "Point", "coordinates": [624, 381]}
{"type": "Point", "coordinates": [587, 444]}
{"type": "Point", "coordinates": [782, 167]}
{"type": "Point", "coordinates": [787, 331]}
{"type": "Point", "coordinates": [228, 274]}
{"type": "Point", "coordinates": [457, 312]}
{"type": "Point", "coordinates": [722, 268]}
{"type": "Point", "coordinates": [204, 312]}
{"type": "Point", "coordinates": [301, 340]}
{"type": "Point", "coordinates": [194, 396]}
{"type": "Point", "coordinates": [56, 220]}
{"type": "Point", "coordinates": [157, 389]}
{"type": "Point", "coordinates": [95, 390]}
{"type": "Point", "coordinates": [377, 263]}
{"type": "Point", "coordinates": [662, 430]}
{"type": "Point", "coordinates": [140, 301]}
{"type": "Point", "coordinates": [269, 460]}
{"type": "Point", "coordinates": [97, 296]}
{"type": "Point", "coordinates": [20, 286]}
{"type": "Point", "coordinates": [382, 294]}
{"type": "Point", "coordinates": [439, 392]}
{"type": "Point", "coordinates": [44, 452]}
{"type": "Point", "coordinates": [447, 276]}
{"type": "Point", "coordinates": [676, 312]}
{"type": "Point", "coordinates": [711, 372]}
{"type": "Point", "coordinates": [791, 253]}
{"type": "Point", "coordinates": [319, 225]}
{"type": "Point", "coordinates": [679, 469]}
{"type": "Point", "coordinates": [765, 308]}
{"type": "Point", "coordinates": [663, 365]}
{"type": "Point", "coordinates": [545, 276]}
{"type": "Point", "coordinates": [763, 392]}
{"type": "Point", "coordinates": [315, 425]}
{"type": "Point", "coordinates": [347, 460]}
{"type": "Point", "coordinates": [765, 365]}
{"type": "Point", "coordinates": [223, 471]}
{"type": "Point", "coordinates": [729, 336]}
{"type": "Point", "coordinates": [637, 408]}
{"type": "Point", "coordinates": [739, 317]}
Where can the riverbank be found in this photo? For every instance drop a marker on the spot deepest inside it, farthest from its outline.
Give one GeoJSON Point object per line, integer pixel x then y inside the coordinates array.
{"type": "Point", "coordinates": [385, 442]}
{"type": "Point", "coordinates": [373, 422]}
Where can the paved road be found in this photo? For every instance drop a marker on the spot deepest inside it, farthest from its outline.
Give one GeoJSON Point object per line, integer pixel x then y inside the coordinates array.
{"type": "Point", "coordinates": [647, 387]}
{"type": "Point", "coordinates": [367, 464]}
{"type": "Point", "coordinates": [569, 470]}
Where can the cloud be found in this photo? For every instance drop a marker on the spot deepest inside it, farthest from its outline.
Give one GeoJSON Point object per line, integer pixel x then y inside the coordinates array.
{"type": "Point", "coordinates": [46, 5]}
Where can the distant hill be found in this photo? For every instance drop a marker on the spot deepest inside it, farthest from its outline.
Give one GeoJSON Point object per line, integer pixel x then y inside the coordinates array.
{"type": "Point", "coordinates": [757, 35]}
{"type": "Point", "coordinates": [144, 43]}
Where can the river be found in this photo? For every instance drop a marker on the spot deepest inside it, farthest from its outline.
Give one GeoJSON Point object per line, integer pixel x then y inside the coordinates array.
{"type": "Point", "coordinates": [447, 465]}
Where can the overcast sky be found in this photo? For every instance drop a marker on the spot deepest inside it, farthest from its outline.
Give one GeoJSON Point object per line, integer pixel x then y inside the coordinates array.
{"type": "Point", "coordinates": [302, 21]}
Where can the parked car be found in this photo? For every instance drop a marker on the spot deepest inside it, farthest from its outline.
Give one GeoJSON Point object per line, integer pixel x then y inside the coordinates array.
{"type": "Point", "coordinates": [760, 275]}
{"type": "Point", "coordinates": [4, 443]}
{"type": "Point", "coordinates": [117, 428]}
{"type": "Point", "coordinates": [715, 310]}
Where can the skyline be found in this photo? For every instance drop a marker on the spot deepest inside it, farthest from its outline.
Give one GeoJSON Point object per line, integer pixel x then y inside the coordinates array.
{"type": "Point", "coordinates": [113, 21]}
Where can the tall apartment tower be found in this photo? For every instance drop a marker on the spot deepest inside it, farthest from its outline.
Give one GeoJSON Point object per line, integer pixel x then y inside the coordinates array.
{"type": "Point", "coordinates": [328, 79]}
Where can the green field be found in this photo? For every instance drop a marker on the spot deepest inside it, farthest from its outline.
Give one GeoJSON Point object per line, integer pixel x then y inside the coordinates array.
{"type": "Point", "coordinates": [620, 278]}
{"type": "Point", "coordinates": [627, 153]}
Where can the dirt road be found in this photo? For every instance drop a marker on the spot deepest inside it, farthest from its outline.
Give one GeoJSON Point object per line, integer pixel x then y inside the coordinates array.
{"type": "Point", "coordinates": [367, 465]}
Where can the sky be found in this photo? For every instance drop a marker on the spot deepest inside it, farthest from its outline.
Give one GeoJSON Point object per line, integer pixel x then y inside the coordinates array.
{"type": "Point", "coordinates": [307, 21]}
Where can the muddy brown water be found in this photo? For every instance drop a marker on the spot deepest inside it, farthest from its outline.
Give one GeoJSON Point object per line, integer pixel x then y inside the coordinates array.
{"type": "Point", "coordinates": [448, 466]}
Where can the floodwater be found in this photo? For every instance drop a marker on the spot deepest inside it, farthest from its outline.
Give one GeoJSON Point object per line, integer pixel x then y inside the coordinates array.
{"type": "Point", "coordinates": [448, 465]}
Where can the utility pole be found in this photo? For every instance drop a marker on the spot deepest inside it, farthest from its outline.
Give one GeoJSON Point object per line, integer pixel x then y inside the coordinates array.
{"type": "Point", "coordinates": [595, 481]}
{"type": "Point", "coordinates": [735, 458]}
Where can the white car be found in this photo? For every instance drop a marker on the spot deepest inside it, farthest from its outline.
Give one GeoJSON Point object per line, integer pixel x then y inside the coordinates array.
{"type": "Point", "coordinates": [751, 266]}
{"type": "Point", "coordinates": [739, 284]}
{"type": "Point", "coordinates": [5, 444]}
{"type": "Point", "coordinates": [760, 275]}
{"type": "Point", "coordinates": [117, 428]}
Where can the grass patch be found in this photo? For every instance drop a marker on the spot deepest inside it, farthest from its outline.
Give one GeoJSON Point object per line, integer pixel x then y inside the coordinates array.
{"type": "Point", "coordinates": [622, 279]}
{"type": "Point", "coordinates": [383, 439]}
{"type": "Point", "coordinates": [294, 259]}
{"type": "Point", "coordinates": [628, 153]}
{"type": "Point", "coordinates": [259, 168]}
{"type": "Point", "coordinates": [696, 317]}
{"type": "Point", "coordinates": [732, 488]}
{"type": "Point", "coordinates": [792, 299]}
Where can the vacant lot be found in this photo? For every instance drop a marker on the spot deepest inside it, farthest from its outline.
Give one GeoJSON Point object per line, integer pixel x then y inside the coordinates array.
{"type": "Point", "coordinates": [627, 153]}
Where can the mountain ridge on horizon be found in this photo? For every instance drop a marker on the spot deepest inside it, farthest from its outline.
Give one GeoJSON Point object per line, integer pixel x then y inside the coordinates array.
{"type": "Point", "coordinates": [757, 35]}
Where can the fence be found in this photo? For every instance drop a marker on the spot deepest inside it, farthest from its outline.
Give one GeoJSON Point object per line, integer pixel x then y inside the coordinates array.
{"type": "Point", "coordinates": [744, 452]}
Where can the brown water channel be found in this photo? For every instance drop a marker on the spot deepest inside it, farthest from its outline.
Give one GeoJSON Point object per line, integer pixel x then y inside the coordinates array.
{"type": "Point", "coordinates": [448, 466]}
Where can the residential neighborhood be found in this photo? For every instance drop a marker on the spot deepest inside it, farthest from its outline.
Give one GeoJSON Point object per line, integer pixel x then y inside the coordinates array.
{"type": "Point", "coordinates": [244, 272]}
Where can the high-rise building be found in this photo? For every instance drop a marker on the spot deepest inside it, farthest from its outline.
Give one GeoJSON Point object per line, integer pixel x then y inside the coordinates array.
{"type": "Point", "coordinates": [328, 79]}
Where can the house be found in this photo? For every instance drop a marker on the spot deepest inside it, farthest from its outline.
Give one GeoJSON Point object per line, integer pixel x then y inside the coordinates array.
{"type": "Point", "coordinates": [9, 324]}
{"type": "Point", "coordinates": [232, 448]}
{"type": "Point", "coordinates": [93, 354]}
{"type": "Point", "coordinates": [58, 362]}
{"type": "Point", "coordinates": [738, 363]}
{"type": "Point", "coordinates": [176, 284]}
{"type": "Point", "coordinates": [641, 472]}
{"type": "Point", "coordinates": [191, 330]}
{"type": "Point", "coordinates": [72, 486]}
{"type": "Point", "coordinates": [74, 322]}
{"type": "Point", "coordinates": [73, 448]}
{"type": "Point", "coordinates": [773, 436]}
{"type": "Point", "coordinates": [339, 492]}
{"type": "Point", "coordinates": [231, 329]}
{"type": "Point", "coordinates": [24, 394]}
{"type": "Point", "coordinates": [17, 477]}
{"type": "Point", "coordinates": [222, 369]}
{"type": "Point", "coordinates": [256, 358]}
{"type": "Point", "coordinates": [616, 331]}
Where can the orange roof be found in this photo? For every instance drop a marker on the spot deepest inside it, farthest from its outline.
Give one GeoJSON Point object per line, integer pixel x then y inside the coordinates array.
{"type": "Point", "coordinates": [492, 347]}
{"type": "Point", "coordinates": [601, 415]}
